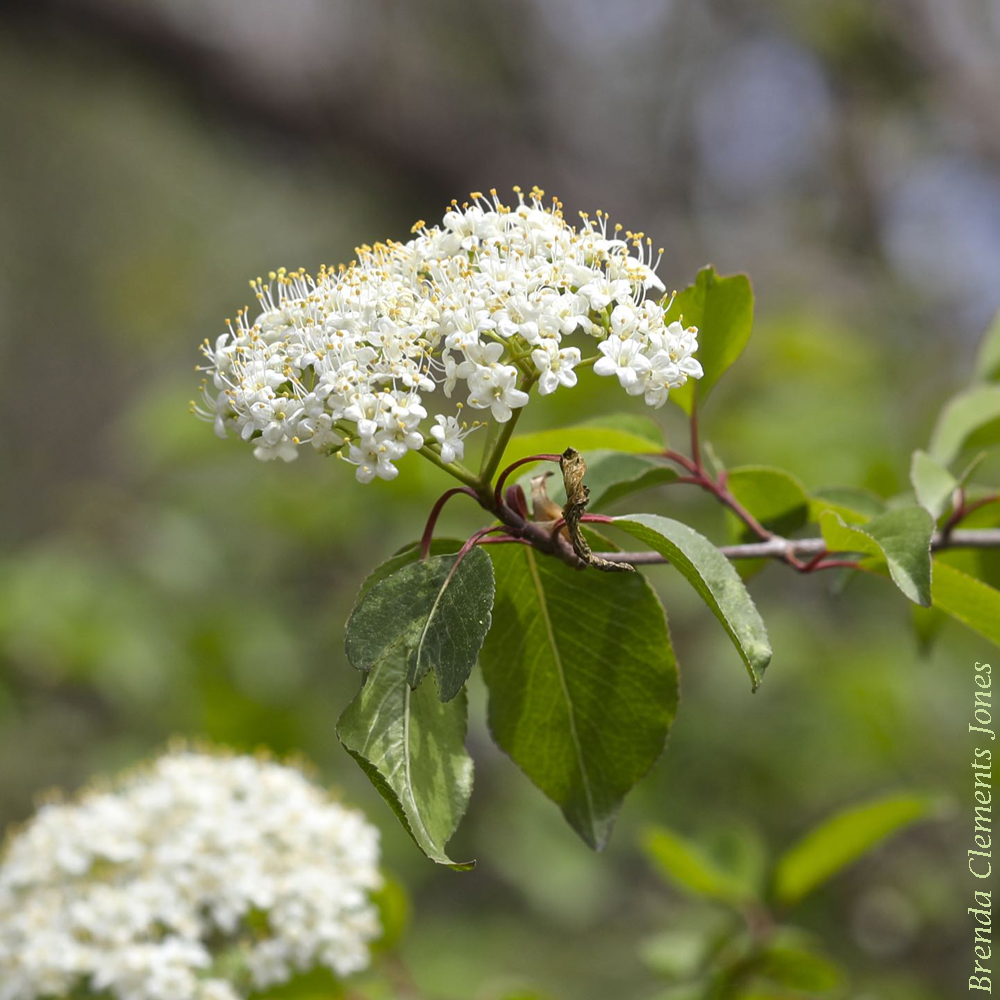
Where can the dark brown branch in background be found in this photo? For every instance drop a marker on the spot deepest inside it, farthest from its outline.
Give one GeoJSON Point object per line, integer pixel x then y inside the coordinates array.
{"type": "Point", "coordinates": [321, 109]}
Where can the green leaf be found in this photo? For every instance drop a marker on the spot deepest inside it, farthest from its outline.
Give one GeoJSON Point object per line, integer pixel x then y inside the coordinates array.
{"type": "Point", "coordinates": [968, 600]}
{"type": "Point", "coordinates": [614, 432]}
{"type": "Point", "coordinates": [970, 420]}
{"type": "Point", "coordinates": [798, 969]}
{"type": "Point", "coordinates": [971, 467]}
{"type": "Point", "coordinates": [853, 504]}
{"type": "Point", "coordinates": [620, 477]}
{"type": "Point", "coordinates": [430, 613]}
{"type": "Point", "coordinates": [988, 355]}
{"type": "Point", "coordinates": [901, 537]}
{"type": "Point", "coordinates": [611, 476]}
{"type": "Point", "coordinates": [722, 309]}
{"type": "Point", "coordinates": [684, 863]}
{"type": "Point", "coordinates": [715, 580]}
{"type": "Point", "coordinates": [412, 747]}
{"type": "Point", "coordinates": [932, 483]}
{"type": "Point", "coordinates": [776, 498]}
{"type": "Point", "coordinates": [637, 424]}
{"type": "Point", "coordinates": [842, 840]}
{"type": "Point", "coordinates": [393, 904]}
{"type": "Point", "coordinates": [676, 954]}
{"type": "Point", "coordinates": [582, 682]}
{"type": "Point", "coordinates": [411, 743]}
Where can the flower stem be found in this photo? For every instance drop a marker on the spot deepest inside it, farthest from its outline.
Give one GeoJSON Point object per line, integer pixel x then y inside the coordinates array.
{"type": "Point", "coordinates": [456, 469]}
{"type": "Point", "coordinates": [491, 460]}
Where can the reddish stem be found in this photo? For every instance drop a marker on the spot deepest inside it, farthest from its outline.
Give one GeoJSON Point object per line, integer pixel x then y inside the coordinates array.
{"type": "Point", "coordinates": [498, 491]}
{"type": "Point", "coordinates": [695, 448]}
{"type": "Point", "coordinates": [718, 488]}
{"type": "Point", "coordinates": [428, 535]}
{"type": "Point", "coordinates": [958, 511]}
{"type": "Point", "coordinates": [681, 460]}
{"type": "Point", "coordinates": [815, 561]}
{"type": "Point", "coordinates": [982, 502]}
{"type": "Point", "coordinates": [837, 564]}
{"type": "Point", "coordinates": [963, 510]}
{"type": "Point", "coordinates": [471, 543]}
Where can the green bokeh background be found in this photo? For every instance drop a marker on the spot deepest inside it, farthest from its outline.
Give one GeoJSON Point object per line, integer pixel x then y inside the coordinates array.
{"type": "Point", "coordinates": [155, 581]}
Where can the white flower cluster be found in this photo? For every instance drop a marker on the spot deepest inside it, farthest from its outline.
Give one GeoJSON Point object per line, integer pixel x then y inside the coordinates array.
{"type": "Point", "coordinates": [200, 878]}
{"type": "Point", "coordinates": [344, 360]}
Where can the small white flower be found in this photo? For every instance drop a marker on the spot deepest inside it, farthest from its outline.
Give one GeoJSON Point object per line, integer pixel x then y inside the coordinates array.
{"type": "Point", "coordinates": [374, 457]}
{"type": "Point", "coordinates": [622, 358]}
{"type": "Point", "coordinates": [555, 365]}
{"type": "Point", "coordinates": [495, 389]}
{"type": "Point", "coordinates": [450, 434]}
{"type": "Point", "coordinates": [284, 449]}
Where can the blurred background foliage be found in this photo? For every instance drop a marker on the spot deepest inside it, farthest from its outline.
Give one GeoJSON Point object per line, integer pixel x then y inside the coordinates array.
{"type": "Point", "coordinates": [155, 581]}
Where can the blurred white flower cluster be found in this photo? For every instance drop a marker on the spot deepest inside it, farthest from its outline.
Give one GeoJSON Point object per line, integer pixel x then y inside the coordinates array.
{"type": "Point", "coordinates": [478, 306]}
{"type": "Point", "coordinates": [199, 878]}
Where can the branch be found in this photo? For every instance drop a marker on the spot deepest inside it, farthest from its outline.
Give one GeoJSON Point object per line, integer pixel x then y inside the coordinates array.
{"type": "Point", "coordinates": [697, 476]}
{"type": "Point", "coordinates": [781, 548]}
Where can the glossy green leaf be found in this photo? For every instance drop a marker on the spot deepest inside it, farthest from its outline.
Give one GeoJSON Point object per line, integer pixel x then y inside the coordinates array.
{"type": "Point", "coordinates": [582, 682]}
{"type": "Point", "coordinates": [429, 612]}
{"type": "Point", "coordinates": [853, 504]}
{"type": "Point", "coordinates": [932, 483]}
{"type": "Point", "coordinates": [412, 747]}
{"type": "Point", "coordinates": [686, 864]}
{"type": "Point", "coordinates": [968, 600]}
{"type": "Point", "coordinates": [722, 309]}
{"type": "Point", "coordinates": [901, 537]}
{"type": "Point", "coordinates": [841, 840]}
{"type": "Point", "coordinates": [970, 420]}
{"type": "Point", "coordinates": [988, 355]}
{"type": "Point", "coordinates": [637, 424]}
{"type": "Point", "coordinates": [619, 478]}
{"type": "Point", "coordinates": [774, 497]}
{"type": "Point", "coordinates": [613, 432]}
{"type": "Point", "coordinates": [713, 577]}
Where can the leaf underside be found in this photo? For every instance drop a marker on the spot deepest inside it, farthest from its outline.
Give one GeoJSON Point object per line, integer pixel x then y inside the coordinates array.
{"type": "Point", "coordinates": [412, 747]}
{"type": "Point", "coordinates": [408, 736]}
{"type": "Point", "coordinates": [432, 613]}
